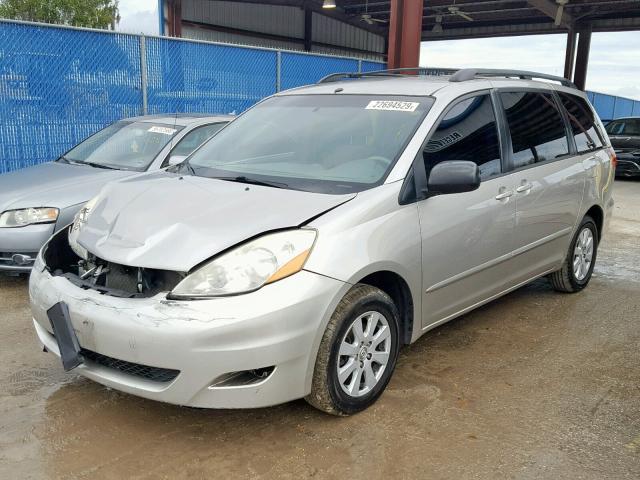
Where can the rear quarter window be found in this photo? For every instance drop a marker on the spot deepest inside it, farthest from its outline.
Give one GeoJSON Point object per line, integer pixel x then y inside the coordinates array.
{"type": "Point", "coordinates": [583, 123]}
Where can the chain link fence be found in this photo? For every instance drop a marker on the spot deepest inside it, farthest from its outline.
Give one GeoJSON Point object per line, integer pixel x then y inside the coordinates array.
{"type": "Point", "coordinates": [58, 85]}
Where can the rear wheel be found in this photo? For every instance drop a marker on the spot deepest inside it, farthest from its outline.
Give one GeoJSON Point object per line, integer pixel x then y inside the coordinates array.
{"type": "Point", "coordinates": [581, 258]}
{"type": "Point", "coordinates": [357, 354]}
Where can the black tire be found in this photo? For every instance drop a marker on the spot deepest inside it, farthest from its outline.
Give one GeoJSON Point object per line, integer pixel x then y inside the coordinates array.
{"type": "Point", "coordinates": [564, 280]}
{"type": "Point", "coordinates": [326, 392]}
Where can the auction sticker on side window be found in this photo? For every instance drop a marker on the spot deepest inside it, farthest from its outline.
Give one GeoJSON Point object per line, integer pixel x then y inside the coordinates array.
{"type": "Point", "coordinates": [392, 105]}
{"type": "Point", "coordinates": [164, 130]}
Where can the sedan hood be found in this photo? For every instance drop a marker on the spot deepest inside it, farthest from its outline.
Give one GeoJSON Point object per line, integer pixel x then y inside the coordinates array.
{"type": "Point", "coordinates": [53, 184]}
{"type": "Point", "coordinates": [169, 222]}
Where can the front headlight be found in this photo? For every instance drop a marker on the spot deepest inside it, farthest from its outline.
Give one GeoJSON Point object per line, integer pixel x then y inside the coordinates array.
{"type": "Point", "coordinates": [250, 266]}
{"type": "Point", "coordinates": [28, 216]}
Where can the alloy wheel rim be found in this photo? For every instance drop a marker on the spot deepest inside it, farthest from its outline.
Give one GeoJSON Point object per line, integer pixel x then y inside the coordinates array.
{"type": "Point", "coordinates": [583, 254]}
{"type": "Point", "coordinates": [364, 354]}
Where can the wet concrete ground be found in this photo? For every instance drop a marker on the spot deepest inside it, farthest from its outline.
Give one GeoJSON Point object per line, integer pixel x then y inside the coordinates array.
{"type": "Point", "coordinates": [536, 385]}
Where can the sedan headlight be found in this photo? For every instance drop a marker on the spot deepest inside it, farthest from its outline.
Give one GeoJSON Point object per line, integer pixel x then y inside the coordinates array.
{"type": "Point", "coordinates": [250, 266]}
{"type": "Point", "coordinates": [28, 216]}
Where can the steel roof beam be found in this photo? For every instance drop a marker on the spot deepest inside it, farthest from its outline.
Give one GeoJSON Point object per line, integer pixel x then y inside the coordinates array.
{"type": "Point", "coordinates": [602, 25]}
{"type": "Point", "coordinates": [551, 9]}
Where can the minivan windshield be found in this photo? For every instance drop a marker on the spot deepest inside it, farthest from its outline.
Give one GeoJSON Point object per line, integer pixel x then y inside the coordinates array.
{"type": "Point", "coordinates": [124, 145]}
{"type": "Point", "coordinates": [319, 143]}
{"type": "Point", "coordinates": [627, 126]}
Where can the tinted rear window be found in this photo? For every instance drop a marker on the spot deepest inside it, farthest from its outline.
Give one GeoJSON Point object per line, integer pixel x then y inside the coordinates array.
{"type": "Point", "coordinates": [583, 123]}
{"type": "Point", "coordinates": [536, 126]}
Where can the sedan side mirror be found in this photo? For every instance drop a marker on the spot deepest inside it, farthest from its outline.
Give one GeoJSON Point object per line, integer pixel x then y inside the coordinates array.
{"type": "Point", "coordinates": [453, 176]}
{"type": "Point", "coordinates": [176, 159]}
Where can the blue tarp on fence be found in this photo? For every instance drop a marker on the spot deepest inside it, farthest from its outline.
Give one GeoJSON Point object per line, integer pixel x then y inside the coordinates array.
{"type": "Point", "coordinates": [59, 85]}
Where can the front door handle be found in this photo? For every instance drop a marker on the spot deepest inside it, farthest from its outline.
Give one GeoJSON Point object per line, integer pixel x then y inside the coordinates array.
{"type": "Point", "coordinates": [524, 188]}
{"type": "Point", "coordinates": [504, 195]}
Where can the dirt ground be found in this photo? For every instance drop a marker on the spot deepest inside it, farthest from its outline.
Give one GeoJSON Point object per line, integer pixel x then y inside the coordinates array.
{"type": "Point", "coordinates": [536, 385]}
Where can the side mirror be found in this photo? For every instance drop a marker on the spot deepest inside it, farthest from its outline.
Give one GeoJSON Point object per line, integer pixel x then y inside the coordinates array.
{"type": "Point", "coordinates": [454, 176]}
{"type": "Point", "coordinates": [176, 159]}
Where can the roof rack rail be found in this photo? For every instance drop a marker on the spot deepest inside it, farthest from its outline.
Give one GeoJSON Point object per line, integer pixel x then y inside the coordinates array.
{"type": "Point", "coordinates": [472, 73]}
{"type": "Point", "coordinates": [392, 72]}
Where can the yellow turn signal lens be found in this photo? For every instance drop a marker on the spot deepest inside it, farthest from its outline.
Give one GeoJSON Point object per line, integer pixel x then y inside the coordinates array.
{"type": "Point", "coordinates": [292, 266]}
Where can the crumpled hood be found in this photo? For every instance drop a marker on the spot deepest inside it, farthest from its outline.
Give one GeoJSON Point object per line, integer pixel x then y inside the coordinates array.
{"type": "Point", "coordinates": [169, 222]}
{"type": "Point", "coordinates": [53, 184]}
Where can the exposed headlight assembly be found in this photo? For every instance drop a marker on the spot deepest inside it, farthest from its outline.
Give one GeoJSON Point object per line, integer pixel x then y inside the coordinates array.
{"type": "Point", "coordinates": [249, 266]}
{"type": "Point", "coordinates": [28, 216]}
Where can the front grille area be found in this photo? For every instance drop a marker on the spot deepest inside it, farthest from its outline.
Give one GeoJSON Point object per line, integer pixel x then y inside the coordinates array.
{"type": "Point", "coordinates": [26, 259]}
{"type": "Point", "coordinates": [155, 374]}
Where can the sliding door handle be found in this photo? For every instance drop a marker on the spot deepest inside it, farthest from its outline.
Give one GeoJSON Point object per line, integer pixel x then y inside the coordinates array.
{"type": "Point", "coordinates": [524, 188]}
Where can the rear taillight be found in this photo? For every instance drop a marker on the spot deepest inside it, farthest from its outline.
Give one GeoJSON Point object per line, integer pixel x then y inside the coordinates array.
{"type": "Point", "coordinates": [613, 157]}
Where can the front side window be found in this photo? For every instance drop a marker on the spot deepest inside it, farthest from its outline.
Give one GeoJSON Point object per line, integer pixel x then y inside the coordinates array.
{"type": "Point", "coordinates": [468, 131]}
{"type": "Point", "coordinates": [536, 126]}
{"type": "Point", "coordinates": [195, 138]}
{"type": "Point", "coordinates": [626, 126]}
{"type": "Point", "coordinates": [583, 123]}
{"type": "Point", "coordinates": [322, 143]}
{"type": "Point", "coordinates": [123, 145]}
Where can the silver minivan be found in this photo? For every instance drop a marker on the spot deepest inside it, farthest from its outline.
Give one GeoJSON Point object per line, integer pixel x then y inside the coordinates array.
{"type": "Point", "coordinates": [297, 251]}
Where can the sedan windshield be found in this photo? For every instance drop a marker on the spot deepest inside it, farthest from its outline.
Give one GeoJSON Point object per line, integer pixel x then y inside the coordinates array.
{"type": "Point", "coordinates": [321, 143]}
{"type": "Point", "coordinates": [123, 145]}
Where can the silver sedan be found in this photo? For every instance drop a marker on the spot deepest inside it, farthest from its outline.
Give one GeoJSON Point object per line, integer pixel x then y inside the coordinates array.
{"type": "Point", "coordinates": [36, 202]}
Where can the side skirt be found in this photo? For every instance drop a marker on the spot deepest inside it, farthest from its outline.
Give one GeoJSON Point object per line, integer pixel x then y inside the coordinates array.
{"type": "Point", "coordinates": [482, 302]}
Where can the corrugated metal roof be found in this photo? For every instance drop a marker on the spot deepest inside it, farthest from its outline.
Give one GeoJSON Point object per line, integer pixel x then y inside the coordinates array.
{"type": "Point", "coordinates": [269, 19]}
{"type": "Point", "coordinates": [335, 37]}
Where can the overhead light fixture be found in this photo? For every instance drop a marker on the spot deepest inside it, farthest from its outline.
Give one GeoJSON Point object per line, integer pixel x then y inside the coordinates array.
{"type": "Point", "coordinates": [329, 4]}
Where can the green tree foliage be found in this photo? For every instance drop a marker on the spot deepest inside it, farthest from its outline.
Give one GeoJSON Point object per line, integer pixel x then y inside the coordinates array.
{"type": "Point", "coordinates": [79, 13]}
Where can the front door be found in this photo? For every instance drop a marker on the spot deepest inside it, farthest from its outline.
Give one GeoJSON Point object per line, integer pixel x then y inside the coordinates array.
{"type": "Point", "coordinates": [467, 238]}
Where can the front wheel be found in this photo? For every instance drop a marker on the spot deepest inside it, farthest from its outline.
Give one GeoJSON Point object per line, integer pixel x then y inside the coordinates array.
{"type": "Point", "coordinates": [581, 258]}
{"type": "Point", "coordinates": [357, 354]}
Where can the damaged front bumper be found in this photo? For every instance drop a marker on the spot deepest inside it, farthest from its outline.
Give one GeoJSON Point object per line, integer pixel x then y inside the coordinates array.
{"type": "Point", "coordinates": [243, 351]}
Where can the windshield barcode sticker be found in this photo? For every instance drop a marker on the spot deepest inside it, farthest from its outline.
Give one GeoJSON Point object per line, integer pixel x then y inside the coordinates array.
{"type": "Point", "coordinates": [163, 130]}
{"type": "Point", "coordinates": [392, 105]}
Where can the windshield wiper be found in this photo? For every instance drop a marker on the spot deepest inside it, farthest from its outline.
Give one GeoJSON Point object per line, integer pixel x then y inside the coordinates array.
{"type": "Point", "coordinates": [188, 166]}
{"type": "Point", "coordinates": [97, 165]}
{"type": "Point", "coordinates": [253, 181]}
{"type": "Point", "coordinates": [81, 162]}
{"type": "Point", "coordinates": [64, 159]}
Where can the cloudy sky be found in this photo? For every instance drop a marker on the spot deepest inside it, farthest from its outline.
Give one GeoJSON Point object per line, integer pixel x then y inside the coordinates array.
{"type": "Point", "coordinates": [139, 16]}
{"type": "Point", "coordinates": [614, 65]}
